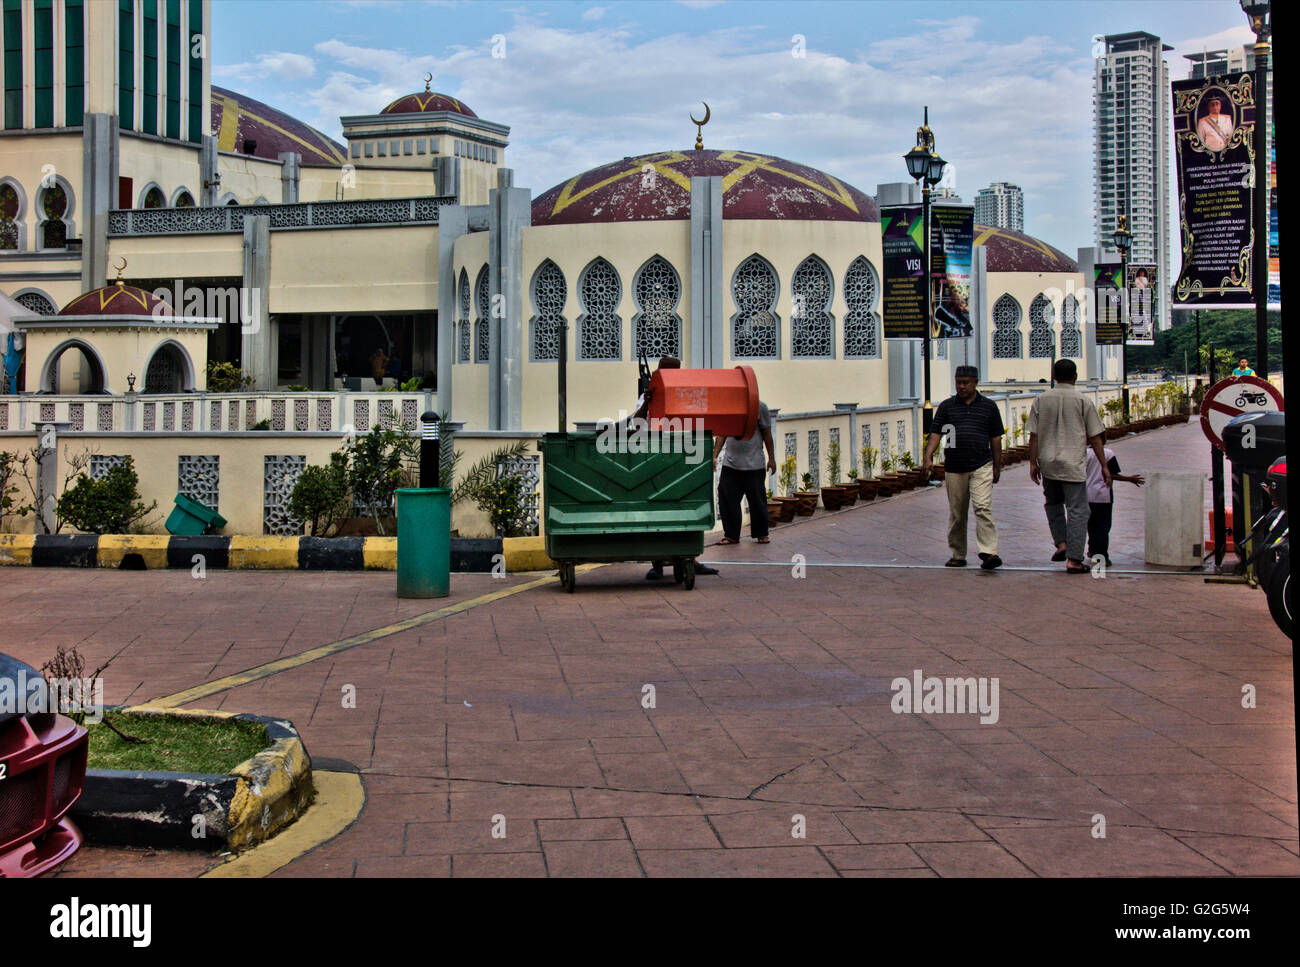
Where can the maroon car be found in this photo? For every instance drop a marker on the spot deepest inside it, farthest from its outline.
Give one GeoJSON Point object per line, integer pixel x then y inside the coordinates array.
{"type": "Point", "coordinates": [42, 770]}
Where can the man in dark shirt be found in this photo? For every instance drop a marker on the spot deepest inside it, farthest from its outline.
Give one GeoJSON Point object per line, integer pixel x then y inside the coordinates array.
{"type": "Point", "coordinates": [970, 427]}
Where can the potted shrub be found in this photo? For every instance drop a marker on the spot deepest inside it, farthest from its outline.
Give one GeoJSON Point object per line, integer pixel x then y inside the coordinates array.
{"type": "Point", "coordinates": [911, 475]}
{"type": "Point", "coordinates": [773, 510]}
{"type": "Point", "coordinates": [807, 496]}
{"type": "Point", "coordinates": [789, 502]}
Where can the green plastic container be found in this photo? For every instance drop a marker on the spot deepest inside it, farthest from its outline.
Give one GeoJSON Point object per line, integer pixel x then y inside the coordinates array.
{"type": "Point", "coordinates": [189, 518]}
{"type": "Point", "coordinates": [423, 542]}
{"type": "Point", "coordinates": [623, 506]}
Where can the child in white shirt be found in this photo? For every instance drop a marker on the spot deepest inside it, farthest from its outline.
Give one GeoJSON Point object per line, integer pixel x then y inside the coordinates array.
{"type": "Point", "coordinates": [1100, 502]}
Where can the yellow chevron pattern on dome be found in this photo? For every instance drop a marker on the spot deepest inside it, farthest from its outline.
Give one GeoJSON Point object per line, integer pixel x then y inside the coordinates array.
{"type": "Point", "coordinates": [986, 232]}
{"type": "Point", "coordinates": [100, 298]}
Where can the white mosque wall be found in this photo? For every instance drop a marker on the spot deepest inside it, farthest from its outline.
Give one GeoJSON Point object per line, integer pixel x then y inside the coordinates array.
{"type": "Point", "coordinates": [1023, 287]}
{"type": "Point", "coordinates": [354, 270]}
{"type": "Point", "coordinates": [168, 164]}
{"type": "Point", "coordinates": [330, 184]}
{"type": "Point", "coordinates": [217, 255]}
{"type": "Point", "coordinates": [249, 178]}
{"type": "Point", "coordinates": [597, 389]}
{"type": "Point", "coordinates": [27, 160]}
{"type": "Point", "coordinates": [472, 380]}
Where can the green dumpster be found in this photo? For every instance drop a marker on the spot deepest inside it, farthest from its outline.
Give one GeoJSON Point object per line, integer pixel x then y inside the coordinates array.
{"type": "Point", "coordinates": [614, 503]}
{"type": "Point", "coordinates": [423, 542]}
{"type": "Point", "coordinates": [189, 518]}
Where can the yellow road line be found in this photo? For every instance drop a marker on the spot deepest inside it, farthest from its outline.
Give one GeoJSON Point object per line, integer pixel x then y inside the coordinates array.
{"type": "Point", "coordinates": [324, 651]}
{"type": "Point", "coordinates": [339, 799]}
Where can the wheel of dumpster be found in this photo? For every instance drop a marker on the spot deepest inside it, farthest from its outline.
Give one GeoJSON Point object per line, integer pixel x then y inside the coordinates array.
{"type": "Point", "coordinates": [566, 577]}
{"type": "Point", "coordinates": [688, 577]}
{"type": "Point", "coordinates": [679, 572]}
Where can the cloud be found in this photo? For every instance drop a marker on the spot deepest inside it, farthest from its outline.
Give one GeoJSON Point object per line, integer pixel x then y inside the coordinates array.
{"type": "Point", "coordinates": [274, 64]}
{"type": "Point", "coordinates": [1004, 108]}
{"type": "Point", "coordinates": [595, 13]}
{"type": "Point", "coordinates": [699, 4]}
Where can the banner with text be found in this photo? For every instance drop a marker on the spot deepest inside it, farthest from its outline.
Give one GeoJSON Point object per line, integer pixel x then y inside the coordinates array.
{"type": "Point", "coordinates": [1143, 307]}
{"type": "Point", "coordinates": [902, 234]}
{"type": "Point", "coordinates": [952, 240]}
{"type": "Point", "coordinates": [1214, 123]}
{"type": "Point", "coordinates": [1108, 294]}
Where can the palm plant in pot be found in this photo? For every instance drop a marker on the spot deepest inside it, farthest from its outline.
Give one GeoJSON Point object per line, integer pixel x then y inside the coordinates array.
{"type": "Point", "coordinates": [911, 474]}
{"type": "Point", "coordinates": [773, 510]}
{"type": "Point", "coordinates": [868, 485]}
{"type": "Point", "coordinates": [889, 479]}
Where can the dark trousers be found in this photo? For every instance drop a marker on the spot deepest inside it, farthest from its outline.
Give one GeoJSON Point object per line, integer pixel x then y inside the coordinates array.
{"type": "Point", "coordinates": [1099, 529]}
{"type": "Point", "coordinates": [750, 484]}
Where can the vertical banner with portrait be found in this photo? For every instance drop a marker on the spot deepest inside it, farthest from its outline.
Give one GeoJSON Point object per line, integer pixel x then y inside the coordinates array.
{"type": "Point", "coordinates": [1214, 124]}
{"type": "Point", "coordinates": [1108, 297]}
{"type": "Point", "coordinates": [1274, 268]}
{"type": "Point", "coordinates": [952, 241]}
{"type": "Point", "coordinates": [1143, 306]}
{"type": "Point", "coordinates": [902, 235]}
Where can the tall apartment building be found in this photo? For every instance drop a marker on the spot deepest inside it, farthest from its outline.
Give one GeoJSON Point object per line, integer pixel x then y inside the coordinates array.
{"type": "Point", "coordinates": [1132, 119]}
{"type": "Point", "coordinates": [1001, 205]}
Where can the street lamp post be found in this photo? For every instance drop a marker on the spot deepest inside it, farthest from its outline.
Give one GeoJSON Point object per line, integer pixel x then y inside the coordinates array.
{"type": "Point", "coordinates": [1259, 15]}
{"type": "Point", "coordinates": [1123, 240]}
{"type": "Point", "coordinates": [926, 167]}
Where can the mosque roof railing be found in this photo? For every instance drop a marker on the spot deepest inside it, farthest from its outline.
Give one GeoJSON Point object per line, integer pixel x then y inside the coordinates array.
{"type": "Point", "coordinates": [359, 212]}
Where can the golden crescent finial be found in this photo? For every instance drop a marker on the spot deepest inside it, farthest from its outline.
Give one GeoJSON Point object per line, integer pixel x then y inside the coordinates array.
{"type": "Point", "coordinates": [699, 125]}
{"type": "Point", "coordinates": [428, 79]}
{"type": "Point", "coordinates": [120, 269]}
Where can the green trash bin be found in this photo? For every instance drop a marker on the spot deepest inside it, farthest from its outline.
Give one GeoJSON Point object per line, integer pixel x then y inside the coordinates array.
{"type": "Point", "coordinates": [625, 506]}
{"type": "Point", "coordinates": [423, 542]}
{"type": "Point", "coordinates": [189, 518]}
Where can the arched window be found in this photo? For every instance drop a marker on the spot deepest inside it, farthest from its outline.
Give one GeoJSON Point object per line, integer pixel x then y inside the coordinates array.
{"type": "Point", "coordinates": [11, 208]}
{"type": "Point", "coordinates": [37, 302]}
{"type": "Point", "coordinates": [1042, 317]}
{"type": "Point", "coordinates": [861, 324]}
{"type": "Point", "coordinates": [54, 205]}
{"type": "Point", "coordinates": [1006, 328]}
{"type": "Point", "coordinates": [154, 198]}
{"type": "Point", "coordinates": [166, 371]}
{"type": "Point", "coordinates": [657, 328]}
{"type": "Point", "coordinates": [462, 316]}
{"type": "Point", "coordinates": [1071, 337]}
{"type": "Point", "coordinates": [482, 338]}
{"type": "Point", "coordinates": [600, 330]}
{"type": "Point", "coordinates": [755, 328]}
{"type": "Point", "coordinates": [183, 200]}
{"type": "Point", "coordinates": [550, 292]}
{"type": "Point", "coordinates": [811, 324]}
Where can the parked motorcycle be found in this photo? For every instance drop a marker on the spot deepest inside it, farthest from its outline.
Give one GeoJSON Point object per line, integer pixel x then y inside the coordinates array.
{"type": "Point", "coordinates": [1269, 547]}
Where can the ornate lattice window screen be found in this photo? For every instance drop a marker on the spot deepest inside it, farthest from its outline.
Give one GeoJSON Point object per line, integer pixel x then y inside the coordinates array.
{"type": "Point", "coordinates": [280, 473]}
{"type": "Point", "coordinates": [1071, 336]}
{"type": "Point", "coordinates": [462, 316]}
{"type": "Point", "coordinates": [657, 326]}
{"type": "Point", "coordinates": [199, 478]}
{"type": "Point", "coordinates": [815, 457]}
{"type": "Point", "coordinates": [529, 469]}
{"type": "Point", "coordinates": [163, 375]}
{"type": "Point", "coordinates": [1042, 317]}
{"type": "Point", "coordinates": [550, 292]}
{"type": "Point", "coordinates": [101, 464]}
{"type": "Point", "coordinates": [861, 324]}
{"type": "Point", "coordinates": [812, 326]}
{"type": "Point", "coordinates": [37, 303]}
{"type": "Point", "coordinates": [1006, 328]}
{"type": "Point", "coordinates": [792, 445]}
{"type": "Point", "coordinates": [599, 327]}
{"type": "Point", "coordinates": [482, 343]}
{"type": "Point", "coordinates": [755, 328]}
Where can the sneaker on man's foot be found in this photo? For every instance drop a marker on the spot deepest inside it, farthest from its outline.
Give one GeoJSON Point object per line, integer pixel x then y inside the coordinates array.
{"type": "Point", "coordinates": [955, 562]}
{"type": "Point", "coordinates": [705, 569]}
{"type": "Point", "coordinates": [990, 561]}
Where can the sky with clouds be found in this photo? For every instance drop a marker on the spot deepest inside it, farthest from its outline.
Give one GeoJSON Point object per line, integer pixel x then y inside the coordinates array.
{"type": "Point", "coordinates": [1008, 83]}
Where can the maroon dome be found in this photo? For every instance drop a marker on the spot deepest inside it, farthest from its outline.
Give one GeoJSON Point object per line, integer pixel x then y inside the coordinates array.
{"type": "Point", "coordinates": [1011, 251]}
{"type": "Point", "coordinates": [657, 186]}
{"type": "Point", "coordinates": [237, 118]}
{"type": "Point", "coordinates": [116, 300]}
{"type": "Point", "coordinates": [428, 101]}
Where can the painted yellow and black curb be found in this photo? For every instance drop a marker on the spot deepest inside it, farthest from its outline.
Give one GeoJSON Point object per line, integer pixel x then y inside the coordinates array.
{"type": "Point", "coordinates": [234, 811]}
{"type": "Point", "coordinates": [526, 554]}
{"type": "Point", "coordinates": [140, 552]}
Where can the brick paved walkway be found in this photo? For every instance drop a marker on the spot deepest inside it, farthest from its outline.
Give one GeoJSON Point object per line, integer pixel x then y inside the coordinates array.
{"type": "Point", "coordinates": [1119, 698]}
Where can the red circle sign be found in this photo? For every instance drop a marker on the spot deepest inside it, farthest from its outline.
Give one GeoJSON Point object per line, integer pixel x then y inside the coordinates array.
{"type": "Point", "coordinates": [1232, 397]}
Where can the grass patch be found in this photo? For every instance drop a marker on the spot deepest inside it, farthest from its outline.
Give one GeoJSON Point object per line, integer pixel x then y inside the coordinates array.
{"type": "Point", "coordinates": [175, 744]}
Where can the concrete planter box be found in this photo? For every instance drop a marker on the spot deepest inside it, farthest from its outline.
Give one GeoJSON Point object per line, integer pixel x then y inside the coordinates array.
{"type": "Point", "coordinates": [242, 808]}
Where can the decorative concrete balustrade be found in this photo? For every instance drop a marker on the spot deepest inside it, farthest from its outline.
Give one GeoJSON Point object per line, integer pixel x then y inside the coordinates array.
{"type": "Point", "coordinates": [219, 412]}
{"type": "Point", "coordinates": [312, 214]}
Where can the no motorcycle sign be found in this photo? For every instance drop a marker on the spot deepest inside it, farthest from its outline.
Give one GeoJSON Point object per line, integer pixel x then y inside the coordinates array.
{"type": "Point", "coordinates": [1232, 397]}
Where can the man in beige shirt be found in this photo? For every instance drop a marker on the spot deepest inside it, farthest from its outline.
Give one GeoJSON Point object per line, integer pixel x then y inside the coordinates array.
{"type": "Point", "coordinates": [1062, 425]}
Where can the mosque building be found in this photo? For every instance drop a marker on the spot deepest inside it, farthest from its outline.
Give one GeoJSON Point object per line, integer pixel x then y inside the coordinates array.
{"type": "Point", "coordinates": [407, 253]}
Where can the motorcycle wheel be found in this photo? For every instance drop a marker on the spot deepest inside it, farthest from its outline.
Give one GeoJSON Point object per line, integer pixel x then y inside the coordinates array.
{"type": "Point", "coordinates": [1280, 601]}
